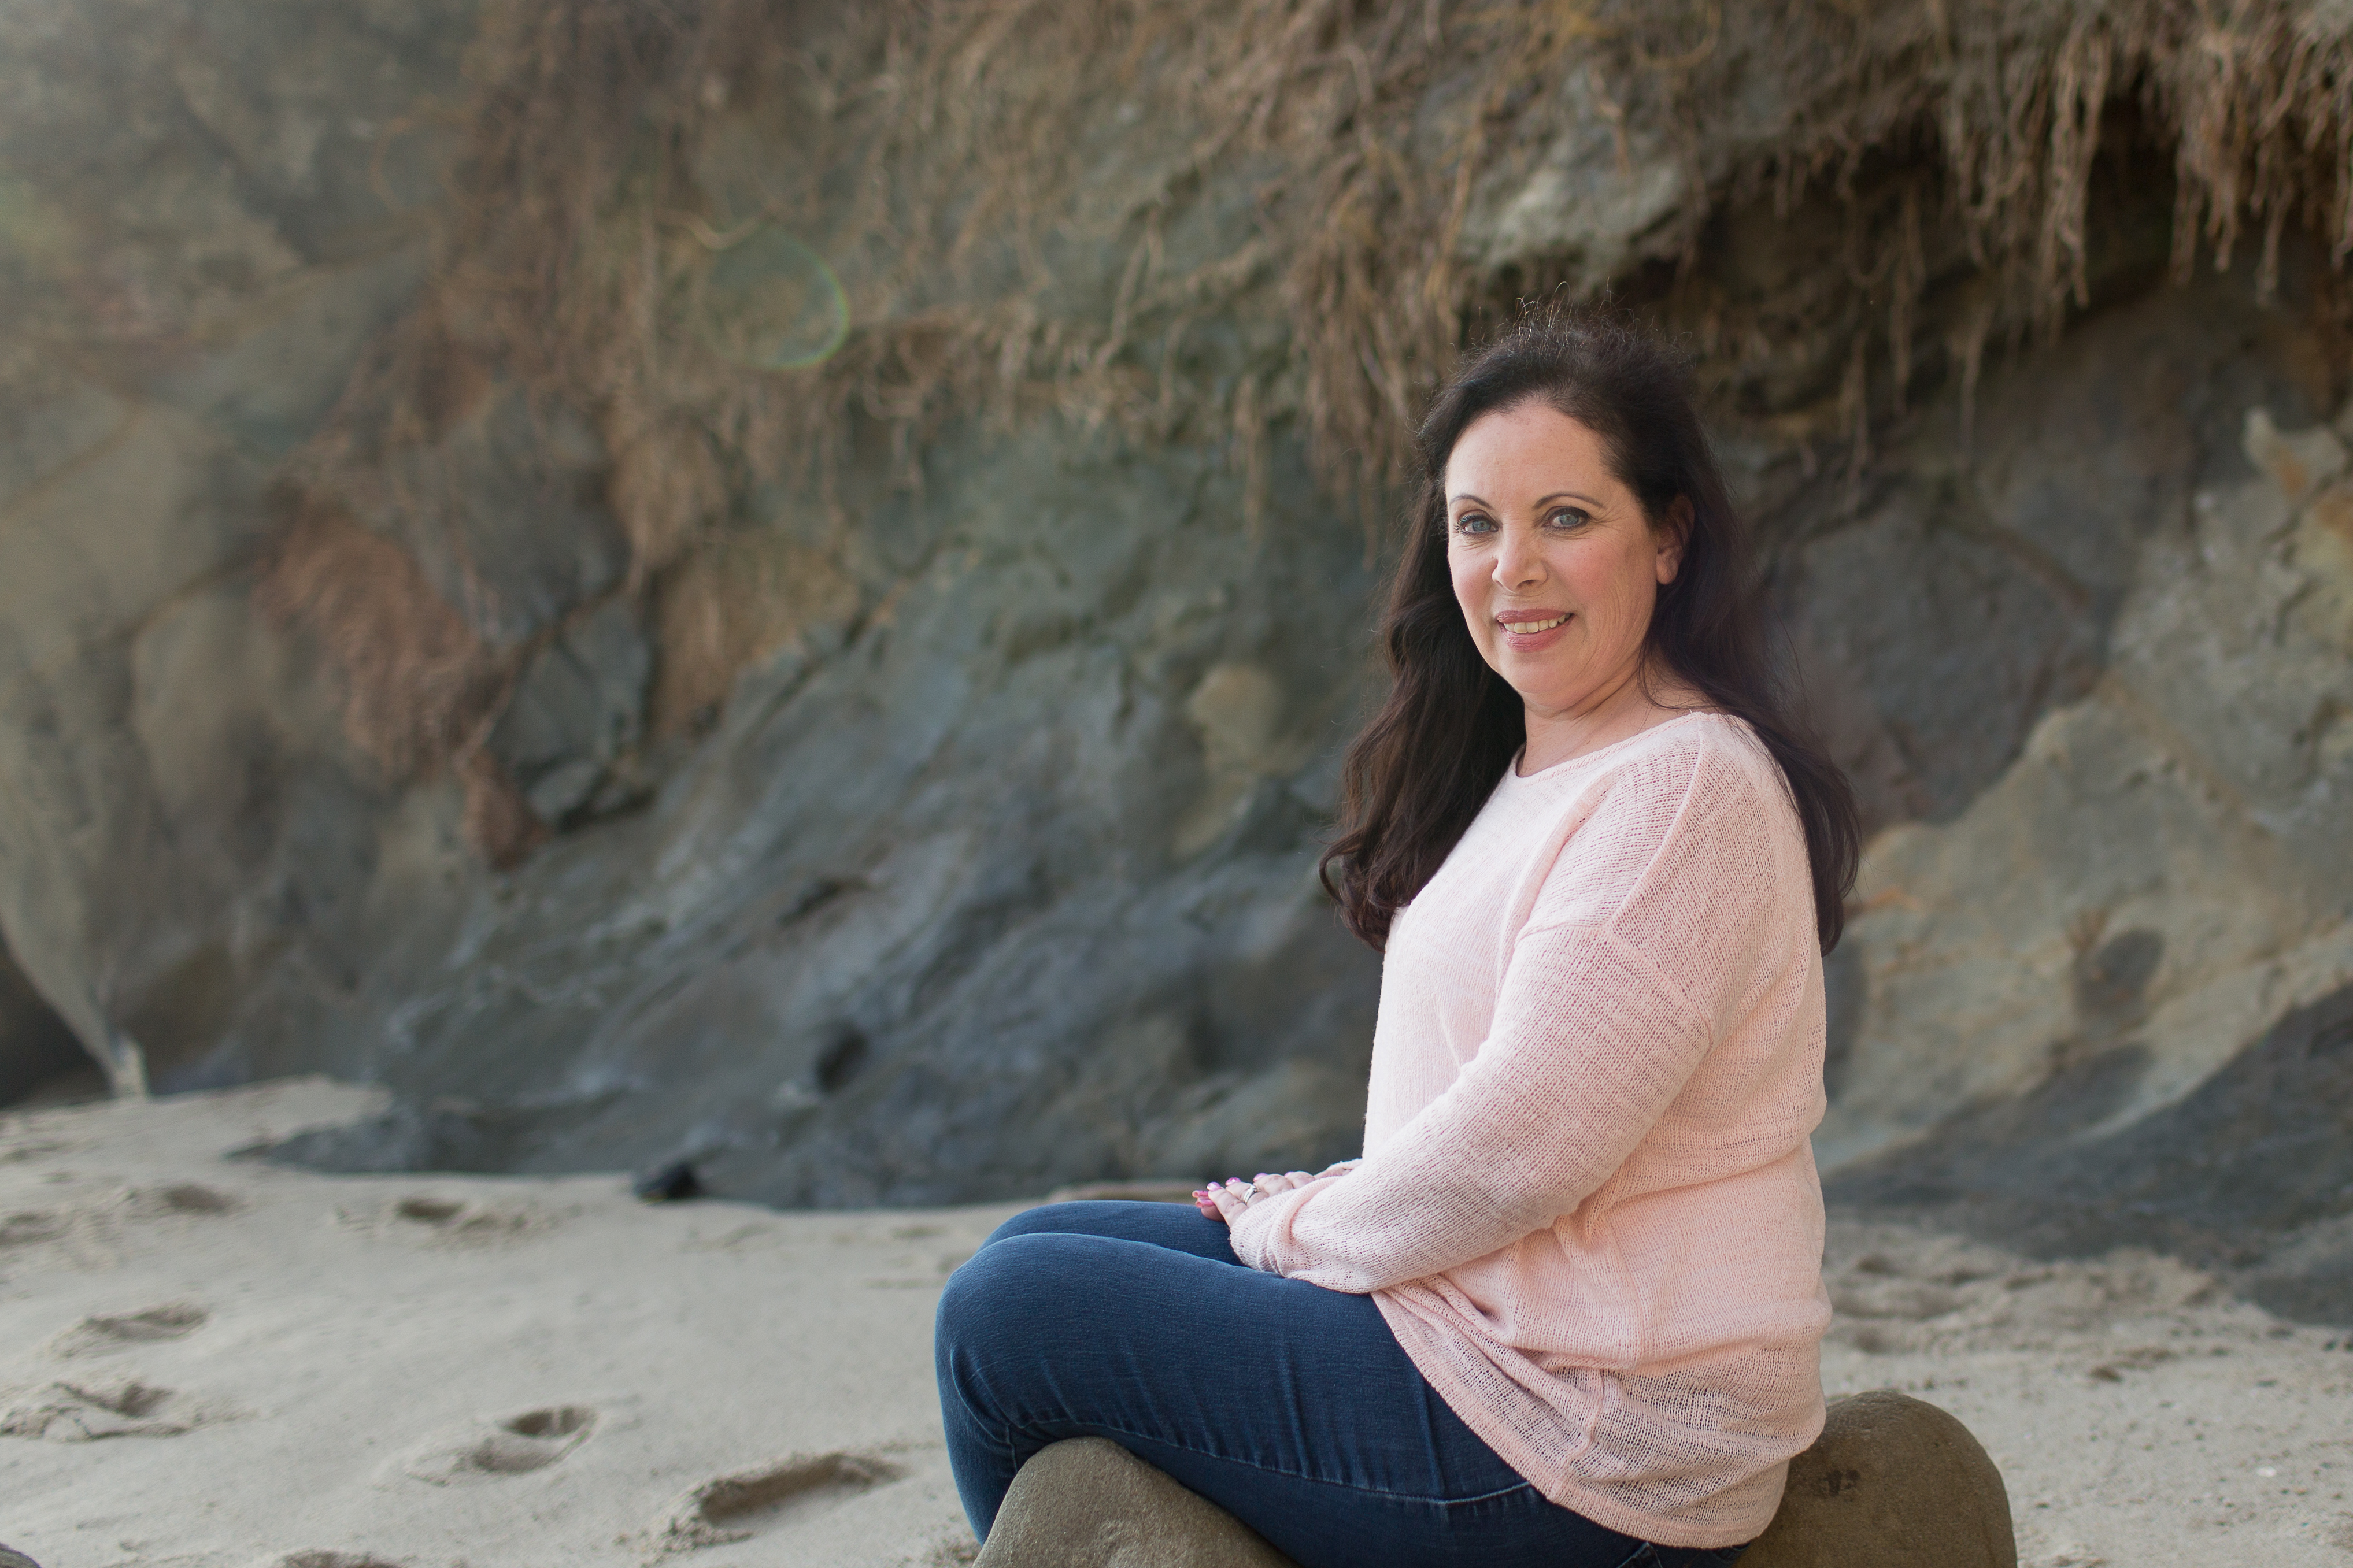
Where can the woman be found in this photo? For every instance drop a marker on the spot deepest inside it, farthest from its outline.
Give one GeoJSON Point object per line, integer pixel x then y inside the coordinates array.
{"type": "Point", "coordinates": [1566, 1308]}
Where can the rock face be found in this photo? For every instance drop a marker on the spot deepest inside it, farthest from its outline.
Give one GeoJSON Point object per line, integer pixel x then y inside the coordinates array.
{"type": "Point", "coordinates": [35, 1046]}
{"type": "Point", "coordinates": [209, 211]}
{"type": "Point", "coordinates": [943, 824]}
{"type": "Point", "coordinates": [1892, 1480]}
{"type": "Point", "coordinates": [1089, 1503]}
{"type": "Point", "coordinates": [2092, 977]}
{"type": "Point", "coordinates": [1062, 895]}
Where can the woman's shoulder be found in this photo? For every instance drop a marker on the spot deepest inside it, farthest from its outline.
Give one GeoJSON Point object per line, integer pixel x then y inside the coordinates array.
{"type": "Point", "coordinates": [1680, 820]}
{"type": "Point", "coordinates": [1713, 760]}
{"type": "Point", "coordinates": [1702, 772]}
{"type": "Point", "coordinates": [1667, 756]}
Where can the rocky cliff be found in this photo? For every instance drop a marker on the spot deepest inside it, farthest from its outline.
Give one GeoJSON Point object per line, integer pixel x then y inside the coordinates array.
{"type": "Point", "coordinates": [782, 586]}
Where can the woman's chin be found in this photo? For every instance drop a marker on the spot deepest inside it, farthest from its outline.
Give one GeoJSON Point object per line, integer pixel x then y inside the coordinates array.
{"type": "Point", "coordinates": [1548, 685]}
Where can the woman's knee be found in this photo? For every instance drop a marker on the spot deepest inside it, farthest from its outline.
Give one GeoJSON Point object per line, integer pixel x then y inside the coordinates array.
{"type": "Point", "coordinates": [1003, 1310]}
{"type": "Point", "coordinates": [1046, 1218]}
{"type": "Point", "coordinates": [1176, 1228]}
{"type": "Point", "coordinates": [1050, 1285]}
{"type": "Point", "coordinates": [1004, 1286]}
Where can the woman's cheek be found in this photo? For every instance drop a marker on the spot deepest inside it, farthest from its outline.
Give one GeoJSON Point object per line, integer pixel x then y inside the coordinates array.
{"type": "Point", "coordinates": [1628, 593]}
{"type": "Point", "coordinates": [1470, 598]}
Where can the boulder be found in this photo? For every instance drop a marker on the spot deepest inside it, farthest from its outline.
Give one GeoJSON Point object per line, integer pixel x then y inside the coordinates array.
{"type": "Point", "coordinates": [1893, 1480]}
{"type": "Point", "coordinates": [11, 1558]}
{"type": "Point", "coordinates": [1090, 1503]}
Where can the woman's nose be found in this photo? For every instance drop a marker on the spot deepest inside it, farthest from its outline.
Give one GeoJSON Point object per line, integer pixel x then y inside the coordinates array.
{"type": "Point", "coordinates": [1519, 563]}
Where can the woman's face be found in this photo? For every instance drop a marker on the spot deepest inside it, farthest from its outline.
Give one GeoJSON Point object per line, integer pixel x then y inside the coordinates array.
{"type": "Point", "coordinates": [1554, 563]}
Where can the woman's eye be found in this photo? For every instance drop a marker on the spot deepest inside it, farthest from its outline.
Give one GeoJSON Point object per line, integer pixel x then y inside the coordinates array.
{"type": "Point", "coordinates": [1472, 522]}
{"type": "Point", "coordinates": [1569, 517]}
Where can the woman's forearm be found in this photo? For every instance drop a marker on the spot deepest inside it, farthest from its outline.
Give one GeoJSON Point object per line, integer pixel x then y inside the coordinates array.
{"type": "Point", "coordinates": [1592, 1043]}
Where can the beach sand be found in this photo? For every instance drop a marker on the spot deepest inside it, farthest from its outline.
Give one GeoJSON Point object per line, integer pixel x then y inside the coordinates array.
{"type": "Point", "coordinates": [209, 1361]}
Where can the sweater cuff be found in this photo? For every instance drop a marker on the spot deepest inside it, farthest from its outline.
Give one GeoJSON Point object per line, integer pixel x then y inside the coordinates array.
{"type": "Point", "coordinates": [1264, 1226]}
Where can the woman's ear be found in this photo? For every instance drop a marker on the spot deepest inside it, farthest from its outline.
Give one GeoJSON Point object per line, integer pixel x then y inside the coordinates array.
{"type": "Point", "coordinates": [1674, 532]}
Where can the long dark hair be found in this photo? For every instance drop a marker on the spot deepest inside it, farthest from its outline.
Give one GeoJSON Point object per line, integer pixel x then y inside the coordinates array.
{"type": "Point", "coordinates": [1420, 771]}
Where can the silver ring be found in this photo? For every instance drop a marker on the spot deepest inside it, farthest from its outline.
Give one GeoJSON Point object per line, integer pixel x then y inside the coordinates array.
{"type": "Point", "coordinates": [1250, 1191]}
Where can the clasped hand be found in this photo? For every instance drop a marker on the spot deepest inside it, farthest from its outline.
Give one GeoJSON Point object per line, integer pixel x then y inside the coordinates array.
{"type": "Point", "coordinates": [1226, 1200]}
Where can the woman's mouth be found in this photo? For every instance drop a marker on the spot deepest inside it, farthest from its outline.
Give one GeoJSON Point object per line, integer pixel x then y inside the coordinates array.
{"type": "Point", "coordinates": [1526, 629]}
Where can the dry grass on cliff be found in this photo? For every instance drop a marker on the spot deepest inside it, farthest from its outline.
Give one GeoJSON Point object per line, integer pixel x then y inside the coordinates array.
{"type": "Point", "coordinates": [420, 688]}
{"type": "Point", "coordinates": [960, 164]}
{"type": "Point", "coordinates": [419, 684]}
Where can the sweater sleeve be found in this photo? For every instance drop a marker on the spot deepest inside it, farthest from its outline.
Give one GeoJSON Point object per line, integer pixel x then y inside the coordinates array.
{"type": "Point", "coordinates": [1591, 1040]}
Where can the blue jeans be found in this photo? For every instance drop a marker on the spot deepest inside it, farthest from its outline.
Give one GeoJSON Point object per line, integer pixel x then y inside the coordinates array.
{"type": "Point", "coordinates": [1289, 1405]}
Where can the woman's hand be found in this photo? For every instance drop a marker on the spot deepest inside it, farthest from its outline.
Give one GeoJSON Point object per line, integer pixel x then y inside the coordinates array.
{"type": "Point", "coordinates": [1226, 1200]}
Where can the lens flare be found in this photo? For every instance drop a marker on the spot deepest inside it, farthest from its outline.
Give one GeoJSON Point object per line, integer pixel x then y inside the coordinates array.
{"type": "Point", "coordinates": [770, 303]}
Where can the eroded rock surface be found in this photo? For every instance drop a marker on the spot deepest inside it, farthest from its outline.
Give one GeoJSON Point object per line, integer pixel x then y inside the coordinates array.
{"type": "Point", "coordinates": [208, 212]}
{"type": "Point", "coordinates": [2116, 986]}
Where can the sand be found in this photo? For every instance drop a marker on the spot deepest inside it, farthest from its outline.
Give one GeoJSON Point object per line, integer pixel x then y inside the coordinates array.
{"type": "Point", "coordinates": [207, 1360]}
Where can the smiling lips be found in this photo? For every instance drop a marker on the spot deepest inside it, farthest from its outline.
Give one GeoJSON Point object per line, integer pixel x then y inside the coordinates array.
{"type": "Point", "coordinates": [1530, 624]}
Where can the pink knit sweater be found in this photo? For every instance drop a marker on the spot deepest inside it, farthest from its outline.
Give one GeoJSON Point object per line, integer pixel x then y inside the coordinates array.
{"type": "Point", "coordinates": [1587, 1204]}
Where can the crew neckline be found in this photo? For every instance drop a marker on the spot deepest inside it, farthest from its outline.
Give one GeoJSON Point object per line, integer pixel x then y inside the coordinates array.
{"type": "Point", "coordinates": [1513, 772]}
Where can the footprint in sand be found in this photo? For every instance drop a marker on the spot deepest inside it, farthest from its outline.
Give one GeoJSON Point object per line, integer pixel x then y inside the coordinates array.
{"type": "Point", "coordinates": [493, 1450]}
{"type": "Point", "coordinates": [86, 1411]}
{"type": "Point", "coordinates": [434, 1219]}
{"type": "Point", "coordinates": [330, 1560]}
{"type": "Point", "coordinates": [24, 1229]}
{"type": "Point", "coordinates": [738, 1506]}
{"type": "Point", "coordinates": [186, 1198]}
{"type": "Point", "coordinates": [96, 1336]}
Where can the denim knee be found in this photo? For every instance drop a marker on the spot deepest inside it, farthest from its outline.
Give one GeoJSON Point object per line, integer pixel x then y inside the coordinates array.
{"type": "Point", "coordinates": [963, 1299]}
{"type": "Point", "coordinates": [976, 1294]}
{"type": "Point", "coordinates": [1028, 1222]}
{"type": "Point", "coordinates": [990, 1314]}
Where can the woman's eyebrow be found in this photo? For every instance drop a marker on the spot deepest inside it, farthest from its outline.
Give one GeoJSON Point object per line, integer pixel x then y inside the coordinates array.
{"type": "Point", "coordinates": [1541, 500]}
